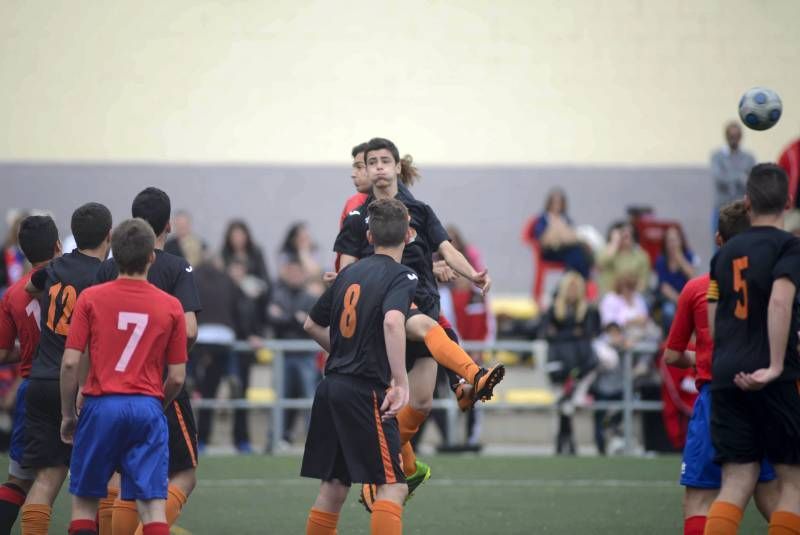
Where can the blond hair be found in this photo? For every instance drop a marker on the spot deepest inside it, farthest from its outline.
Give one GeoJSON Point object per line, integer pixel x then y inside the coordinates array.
{"type": "Point", "coordinates": [560, 305]}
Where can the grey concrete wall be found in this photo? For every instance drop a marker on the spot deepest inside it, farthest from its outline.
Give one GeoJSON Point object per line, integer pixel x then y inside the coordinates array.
{"type": "Point", "coordinates": [489, 204]}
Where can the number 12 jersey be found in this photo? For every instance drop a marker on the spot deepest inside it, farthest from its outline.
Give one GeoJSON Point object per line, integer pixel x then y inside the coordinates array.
{"type": "Point", "coordinates": [742, 274]}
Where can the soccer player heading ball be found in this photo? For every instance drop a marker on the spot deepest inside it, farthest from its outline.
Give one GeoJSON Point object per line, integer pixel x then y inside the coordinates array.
{"type": "Point", "coordinates": [133, 331]}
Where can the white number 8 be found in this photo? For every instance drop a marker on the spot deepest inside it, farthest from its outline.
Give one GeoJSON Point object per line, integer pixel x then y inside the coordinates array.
{"type": "Point", "coordinates": [126, 319]}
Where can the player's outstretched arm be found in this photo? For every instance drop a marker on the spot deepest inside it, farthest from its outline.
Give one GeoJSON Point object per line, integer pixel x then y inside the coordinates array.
{"type": "Point", "coordinates": [394, 333]}
{"type": "Point", "coordinates": [320, 334]}
{"type": "Point", "coordinates": [176, 376]}
{"type": "Point", "coordinates": [461, 265]}
{"type": "Point", "coordinates": [70, 366]}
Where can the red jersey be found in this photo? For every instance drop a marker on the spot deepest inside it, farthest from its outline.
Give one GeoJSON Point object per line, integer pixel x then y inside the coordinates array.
{"type": "Point", "coordinates": [133, 331]}
{"type": "Point", "coordinates": [692, 317]}
{"type": "Point", "coordinates": [352, 203]}
{"type": "Point", "coordinates": [20, 316]}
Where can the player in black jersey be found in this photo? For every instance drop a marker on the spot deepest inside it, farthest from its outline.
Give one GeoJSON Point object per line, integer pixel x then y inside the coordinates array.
{"type": "Point", "coordinates": [174, 275]}
{"type": "Point", "coordinates": [353, 434]}
{"type": "Point", "coordinates": [426, 337]}
{"type": "Point", "coordinates": [755, 390]}
{"type": "Point", "coordinates": [59, 283]}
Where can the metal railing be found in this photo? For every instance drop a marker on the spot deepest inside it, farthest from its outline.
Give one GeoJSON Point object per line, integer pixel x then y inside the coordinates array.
{"type": "Point", "coordinates": [629, 405]}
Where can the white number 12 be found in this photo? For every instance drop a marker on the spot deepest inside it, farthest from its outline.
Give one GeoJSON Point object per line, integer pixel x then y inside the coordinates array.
{"type": "Point", "coordinates": [126, 319]}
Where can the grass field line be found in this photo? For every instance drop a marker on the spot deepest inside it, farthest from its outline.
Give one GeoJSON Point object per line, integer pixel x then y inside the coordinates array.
{"type": "Point", "coordinates": [525, 483]}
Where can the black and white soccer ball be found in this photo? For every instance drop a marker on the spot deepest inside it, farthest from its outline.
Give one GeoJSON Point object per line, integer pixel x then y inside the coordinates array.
{"type": "Point", "coordinates": [760, 108]}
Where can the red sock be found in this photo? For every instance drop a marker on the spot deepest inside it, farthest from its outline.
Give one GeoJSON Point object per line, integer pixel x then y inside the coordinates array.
{"type": "Point", "coordinates": [83, 527]}
{"type": "Point", "coordinates": [694, 525]}
{"type": "Point", "coordinates": [156, 528]}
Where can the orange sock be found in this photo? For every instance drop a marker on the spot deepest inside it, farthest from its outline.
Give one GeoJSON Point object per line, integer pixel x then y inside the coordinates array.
{"type": "Point", "coordinates": [176, 499]}
{"type": "Point", "coordinates": [125, 518]}
{"type": "Point", "coordinates": [409, 459]}
{"type": "Point", "coordinates": [35, 519]}
{"type": "Point", "coordinates": [723, 519]}
{"type": "Point", "coordinates": [105, 511]}
{"type": "Point", "coordinates": [321, 523]}
{"type": "Point", "coordinates": [784, 523]}
{"type": "Point", "coordinates": [387, 518]}
{"type": "Point", "coordinates": [450, 355]}
{"type": "Point", "coordinates": [408, 421]}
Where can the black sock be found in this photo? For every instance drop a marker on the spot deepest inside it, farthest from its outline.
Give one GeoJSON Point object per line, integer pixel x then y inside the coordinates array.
{"type": "Point", "coordinates": [11, 499]}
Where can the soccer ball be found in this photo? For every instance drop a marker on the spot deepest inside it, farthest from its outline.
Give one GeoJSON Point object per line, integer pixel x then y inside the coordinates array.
{"type": "Point", "coordinates": [760, 108]}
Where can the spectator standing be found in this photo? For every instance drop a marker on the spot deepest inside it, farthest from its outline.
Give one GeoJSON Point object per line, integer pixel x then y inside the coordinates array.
{"type": "Point", "coordinates": [184, 242]}
{"type": "Point", "coordinates": [291, 303]}
{"type": "Point", "coordinates": [299, 247]}
{"type": "Point", "coordinates": [570, 326]}
{"type": "Point", "coordinates": [623, 255]}
{"type": "Point", "coordinates": [674, 267]}
{"type": "Point", "coordinates": [245, 262]}
{"type": "Point", "coordinates": [730, 166]}
{"type": "Point", "coordinates": [223, 321]}
{"type": "Point", "coordinates": [556, 234]}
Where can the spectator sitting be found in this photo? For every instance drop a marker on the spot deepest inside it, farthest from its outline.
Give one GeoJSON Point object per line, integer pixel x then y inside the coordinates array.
{"type": "Point", "coordinates": [555, 233]}
{"type": "Point", "coordinates": [569, 327]}
{"type": "Point", "coordinates": [623, 255]}
{"type": "Point", "coordinates": [184, 242]}
{"type": "Point", "coordinates": [291, 303]}
{"type": "Point", "coordinates": [298, 247]}
{"type": "Point", "coordinates": [675, 266]}
{"type": "Point", "coordinates": [625, 306]}
{"type": "Point", "coordinates": [12, 260]}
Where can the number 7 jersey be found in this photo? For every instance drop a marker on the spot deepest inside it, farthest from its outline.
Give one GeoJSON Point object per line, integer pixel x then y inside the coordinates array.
{"type": "Point", "coordinates": [742, 274]}
{"type": "Point", "coordinates": [133, 331]}
{"type": "Point", "coordinates": [61, 281]}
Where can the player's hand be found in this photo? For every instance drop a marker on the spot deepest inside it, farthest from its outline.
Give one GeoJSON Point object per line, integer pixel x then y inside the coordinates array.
{"type": "Point", "coordinates": [443, 272]}
{"type": "Point", "coordinates": [756, 380]}
{"type": "Point", "coordinates": [68, 426]}
{"type": "Point", "coordinates": [483, 281]}
{"type": "Point", "coordinates": [328, 277]}
{"type": "Point", "coordinates": [396, 398]}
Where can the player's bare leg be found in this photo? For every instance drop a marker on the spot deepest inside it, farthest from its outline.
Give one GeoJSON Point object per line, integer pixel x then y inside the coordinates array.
{"type": "Point", "coordinates": [387, 511]}
{"type": "Point", "coordinates": [786, 518]}
{"type": "Point", "coordinates": [324, 514]}
{"type": "Point", "coordinates": [766, 498]}
{"type": "Point", "coordinates": [696, 503]}
{"type": "Point", "coordinates": [39, 502]}
{"type": "Point", "coordinates": [422, 328]}
{"type": "Point", "coordinates": [153, 515]}
{"type": "Point", "coordinates": [84, 511]}
{"type": "Point", "coordinates": [181, 485]}
{"type": "Point", "coordinates": [738, 483]}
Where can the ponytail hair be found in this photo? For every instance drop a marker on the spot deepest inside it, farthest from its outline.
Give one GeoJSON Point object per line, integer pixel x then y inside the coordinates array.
{"type": "Point", "coordinates": [409, 174]}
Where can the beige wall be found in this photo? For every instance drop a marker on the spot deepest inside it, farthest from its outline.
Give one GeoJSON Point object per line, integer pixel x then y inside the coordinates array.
{"type": "Point", "coordinates": [578, 81]}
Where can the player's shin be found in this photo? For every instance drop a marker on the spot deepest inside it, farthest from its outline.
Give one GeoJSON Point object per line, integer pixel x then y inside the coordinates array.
{"type": "Point", "coordinates": [387, 518]}
{"type": "Point", "coordinates": [11, 499]}
{"type": "Point", "coordinates": [176, 499]}
{"type": "Point", "coordinates": [445, 351]}
{"type": "Point", "coordinates": [321, 522]}
{"type": "Point", "coordinates": [105, 511]}
{"type": "Point", "coordinates": [125, 517]}
{"type": "Point", "coordinates": [723, 519]}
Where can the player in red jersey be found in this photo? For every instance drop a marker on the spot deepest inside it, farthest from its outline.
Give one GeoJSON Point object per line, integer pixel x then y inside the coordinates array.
{"type": "Point", "coordinates": [20, 314]}
{"type": "Point", "coordinates": [133, 331]}
{"type": "Point", "coordinates": [699, 474]}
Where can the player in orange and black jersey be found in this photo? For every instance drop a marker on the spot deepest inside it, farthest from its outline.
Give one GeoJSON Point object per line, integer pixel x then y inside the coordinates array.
{"type": "Point", "coordinates": [174, 275]}
{"type": "Point", "coordinates": [60, 282]}
{"type": "Point", "coordinates": [755, 388]}
{"type": "Point", "coordinates": [426, 337]}
{"type": "Point", "coordinates": [353, 434]}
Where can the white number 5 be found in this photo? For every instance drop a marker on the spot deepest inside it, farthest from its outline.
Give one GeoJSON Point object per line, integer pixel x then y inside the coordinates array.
{"type": "Point", "coordinates": [126, 319]}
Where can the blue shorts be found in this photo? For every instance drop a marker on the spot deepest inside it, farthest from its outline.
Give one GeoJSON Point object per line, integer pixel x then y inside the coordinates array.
{"type": "Point", "coordinates": [699, 469]}
{"type": "Point", "coordinates": [17, 446]}
{"type": "Point", "coordinates": [124, 433]}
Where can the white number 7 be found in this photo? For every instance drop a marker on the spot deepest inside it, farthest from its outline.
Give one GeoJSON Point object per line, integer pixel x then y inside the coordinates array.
{"type": "Point", "coordinates": [125, 319]}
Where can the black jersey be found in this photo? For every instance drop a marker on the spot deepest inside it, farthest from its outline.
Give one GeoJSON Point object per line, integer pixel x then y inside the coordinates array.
{"type": "Point", "coordinates": [61, 282]}
{"type": "Point", "coordinates": [354, 308]}
{"type": "Point", "coordinates": [742, 274]}
{"type": "Point", "coordinates": [428, 234]}
{"type": "Point", "coordinates": [169, 273]}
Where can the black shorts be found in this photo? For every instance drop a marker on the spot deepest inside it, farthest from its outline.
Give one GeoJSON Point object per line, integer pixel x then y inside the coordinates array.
{"type": "Point", "coordinates": [182, 434]}
{"type": "Point", "coordinates": [750, 426]}
{"type": "Point", "coordinates": [347, 440]}
{"type": "Point", "coordinates": [43, 445]}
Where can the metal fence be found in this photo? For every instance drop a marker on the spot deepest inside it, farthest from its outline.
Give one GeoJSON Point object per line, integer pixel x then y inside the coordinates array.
{"type": "Point", "coordinates": [628, 405]}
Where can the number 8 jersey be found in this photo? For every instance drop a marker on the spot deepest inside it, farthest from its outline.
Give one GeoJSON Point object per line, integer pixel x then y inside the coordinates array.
{"type": "Point", "coordinates": [61, 281]}
{"type": "Point", "coordinates": [354, 307]}
{"type": "Point", "coordinates": [133, 331]}
{"type": "Point", "coordinates": [742, 274]}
